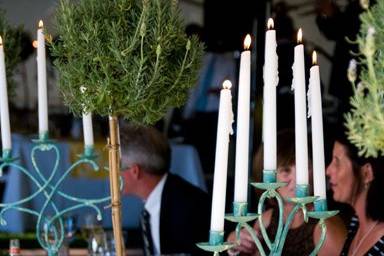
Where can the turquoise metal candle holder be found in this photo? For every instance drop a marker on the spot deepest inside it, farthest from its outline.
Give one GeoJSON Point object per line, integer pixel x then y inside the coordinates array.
{"type": "Point", "coordinates": [241, 216]}
{"type": "Point", "coordinates": [216, 243]}
{"type": "Point", "coordinates": [50, 229]}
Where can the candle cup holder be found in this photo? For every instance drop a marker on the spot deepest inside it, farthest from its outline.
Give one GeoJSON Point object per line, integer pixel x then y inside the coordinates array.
{"type": "Point", "coordinates": [43, 136]}
{"type": "Point", "coordinates": [241, 216]}
{"type": "Point", "coordinates": [44, 142]}
{"type": "Point", "coordinates": [321, 213]}
{"type": "Point", "coordinates": [269, 176]}
{"type": "Point", "coordinates": [50, 228]}
{"type": "Point", "coordinates": [216, 243]}
{"type": "Point", "coordinates": [7, 157]}
{"type": "Point", "coordinates": [89, 153]}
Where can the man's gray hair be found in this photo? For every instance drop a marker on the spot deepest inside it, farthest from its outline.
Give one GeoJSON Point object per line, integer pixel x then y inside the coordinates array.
{"type": "Point", "coordinates": [146, 147]}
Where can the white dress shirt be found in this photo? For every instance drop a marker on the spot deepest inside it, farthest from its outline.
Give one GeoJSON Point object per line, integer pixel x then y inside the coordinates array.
{"type": "Point", "coordinates": [153, 205]}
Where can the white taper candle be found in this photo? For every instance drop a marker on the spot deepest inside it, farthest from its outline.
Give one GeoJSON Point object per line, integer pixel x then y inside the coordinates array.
{"type": "Point", "coordinates": [271, 80]}
{"type": "Point", "coordinates": [88, 130]}
{"type": "Point", "coordinates": [42, 81]}
{"type": "Point", "coordinates": [4, 111]}
{"type": "Point", "coordinates": [301, 145]}
{"type": "Point", "coordinates": [224, 129]}
{"type": "Point", "coordinates": [242, 132]}
{"type": "Point", "coordinates": [314, 97]}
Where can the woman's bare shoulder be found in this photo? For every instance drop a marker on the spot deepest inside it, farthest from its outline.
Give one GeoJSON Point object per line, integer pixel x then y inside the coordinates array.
{"type": "Point", "coordinates": [335, 238]}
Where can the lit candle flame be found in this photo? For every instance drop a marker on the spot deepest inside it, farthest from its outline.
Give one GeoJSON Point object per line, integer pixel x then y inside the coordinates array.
{"type": "Point", "coordinates": [34, 44]}
{"type": "Point", "coordinates": [247, 42]}
{"type": "Point", "coordinates": [300, 36]}
{"type": "Point", "coordinates": [270, 24]}
{"type": "Point", "coordinates": [314, 58]}
{"type": "Point", "coordinates": [227, 84]}
{"type": "Point", "coordinates": [1, 41]}
{"type": "Point", "coordinates": [41, 25]}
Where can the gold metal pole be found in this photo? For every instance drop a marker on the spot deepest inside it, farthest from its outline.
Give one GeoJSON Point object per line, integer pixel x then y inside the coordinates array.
{"type": "Point", "coordinates": [114, 179]}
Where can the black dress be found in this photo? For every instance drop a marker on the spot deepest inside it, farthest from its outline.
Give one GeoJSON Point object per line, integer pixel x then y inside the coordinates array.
{"type": "Point", "coordinates": [299, 241]}
{"type": "Point", "coordinates": [376, 249]}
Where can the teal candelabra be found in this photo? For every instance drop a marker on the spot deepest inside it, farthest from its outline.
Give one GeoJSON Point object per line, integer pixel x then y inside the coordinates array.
{"type": "Point", "coordinates": [50, 228]}
{"type": "Point", "coordinates": [274, 245]}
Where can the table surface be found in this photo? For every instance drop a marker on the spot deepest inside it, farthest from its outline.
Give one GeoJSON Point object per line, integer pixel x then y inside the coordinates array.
{"type": "Point", "coordinates": [77, 252]}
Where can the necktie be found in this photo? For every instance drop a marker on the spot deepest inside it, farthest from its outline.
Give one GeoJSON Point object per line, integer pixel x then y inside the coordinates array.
{"type": "Point", "coordinates": [146, 232]}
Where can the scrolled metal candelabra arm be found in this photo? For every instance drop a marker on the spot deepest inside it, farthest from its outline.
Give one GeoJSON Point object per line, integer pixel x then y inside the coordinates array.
{"type": "Point", "coordinates": [50, 230]}
{"type": "Point", "coordinates": [321, 213]}
{"type": "Point", "coordinates": [241, 216]}
{"type": "Point", "coordinates": [269, 193]}
{"type": "Point", "coordinates": [300, 203]}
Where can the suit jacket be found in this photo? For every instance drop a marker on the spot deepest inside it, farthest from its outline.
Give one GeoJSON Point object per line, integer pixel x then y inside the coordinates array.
{"type": "Point", "coordinates": [184, 217]}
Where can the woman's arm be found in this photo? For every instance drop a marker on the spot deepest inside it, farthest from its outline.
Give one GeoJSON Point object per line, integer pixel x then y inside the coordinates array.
{"type": "Point", "coordinates": [335, 236]}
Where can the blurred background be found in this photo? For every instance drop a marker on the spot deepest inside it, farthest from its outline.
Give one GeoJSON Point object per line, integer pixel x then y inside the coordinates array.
{"type": "Point", "coordinates": [222, 26]}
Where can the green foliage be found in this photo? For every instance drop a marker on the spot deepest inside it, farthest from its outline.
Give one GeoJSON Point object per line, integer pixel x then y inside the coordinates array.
{"type": "Point", "coordinates": [128, 58]}
{"type": "Point", "coordinates": [12, 46]}
{"type": "Point", "coordinates": [365, 122]}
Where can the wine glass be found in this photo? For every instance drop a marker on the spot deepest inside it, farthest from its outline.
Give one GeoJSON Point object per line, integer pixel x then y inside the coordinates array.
{"type": "Point", "coordinates": [97, 243]}
{"type": "Point", "coordinates": [70, 227]}
{"type": "Point", "coordinates": [93, 232]}
{"type": "Point", "coordinates": [69, 223]}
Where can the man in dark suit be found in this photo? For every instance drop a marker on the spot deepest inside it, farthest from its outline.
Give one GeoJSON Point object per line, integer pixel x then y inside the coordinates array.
{"type": "Point", "coordinates": [176, 214]}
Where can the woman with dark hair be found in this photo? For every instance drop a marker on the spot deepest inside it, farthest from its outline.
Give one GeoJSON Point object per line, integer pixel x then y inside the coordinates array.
{"type": "Point", "coordinates": [359, 182]}
{"type": "Point", "coordinates": [302, 237]}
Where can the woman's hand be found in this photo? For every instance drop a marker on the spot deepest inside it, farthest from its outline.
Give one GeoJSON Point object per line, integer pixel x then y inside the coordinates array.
{"type": "Point", "coordinates": [245, 245]}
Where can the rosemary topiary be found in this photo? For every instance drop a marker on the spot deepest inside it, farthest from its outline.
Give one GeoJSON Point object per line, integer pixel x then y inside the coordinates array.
{"type": "Point", "coordinates": [365, 122]}
{"type": "Point", "coordinates": [12, 47]}
{"type": "Point", "coordinates": [128, 58]}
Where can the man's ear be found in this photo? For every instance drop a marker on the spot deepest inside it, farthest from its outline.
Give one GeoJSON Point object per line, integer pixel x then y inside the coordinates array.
{"type": "Point", "coordinates": [367, 173]}
{"type": "Point", "coordinates": [136, 171]}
